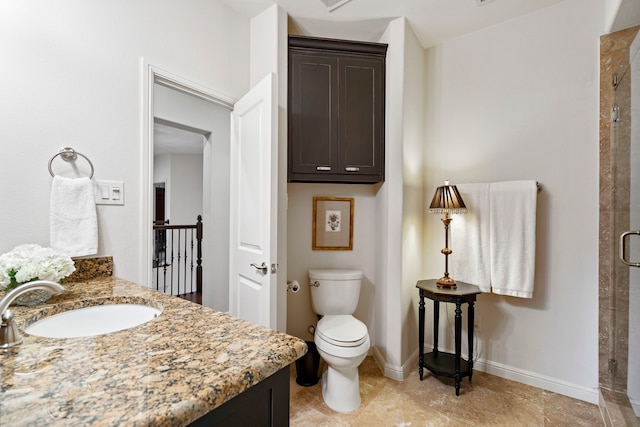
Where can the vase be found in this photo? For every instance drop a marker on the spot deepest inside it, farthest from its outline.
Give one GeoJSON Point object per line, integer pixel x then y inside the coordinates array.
{"type": "Point", "coordinates": [33, 298]}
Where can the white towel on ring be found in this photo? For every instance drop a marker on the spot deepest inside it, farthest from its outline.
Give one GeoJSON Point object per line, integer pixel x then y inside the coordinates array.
{"type": "Point", "coordinates": [470, 260]}
{"type": "Point", "coordinates": [513, 237]}
{"type": "Point", "coordinates": [73, 223]}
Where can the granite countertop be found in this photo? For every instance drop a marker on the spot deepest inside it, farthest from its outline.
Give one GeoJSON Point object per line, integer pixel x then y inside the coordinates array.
{"type": "Point", "coordinates": [169, 371]}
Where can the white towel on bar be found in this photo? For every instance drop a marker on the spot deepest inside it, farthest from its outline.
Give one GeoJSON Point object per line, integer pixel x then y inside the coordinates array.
{"type": "Point", "coordinates": [513, 237]}
{"type": "Point", "coordinates": [73, 223]}
{"type": "Point", "coordinates": [470, 238]}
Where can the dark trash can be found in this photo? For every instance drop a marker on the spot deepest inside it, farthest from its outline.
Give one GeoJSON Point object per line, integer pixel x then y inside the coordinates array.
{"type": "Point", "coordinates": [307, 366]}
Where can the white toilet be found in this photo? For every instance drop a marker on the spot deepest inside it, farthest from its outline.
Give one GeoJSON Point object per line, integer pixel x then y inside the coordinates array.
{"type": "Point", "coordinates": [341, 339]}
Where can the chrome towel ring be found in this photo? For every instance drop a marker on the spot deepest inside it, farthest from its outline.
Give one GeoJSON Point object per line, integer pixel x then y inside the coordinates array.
{"type": "Point", "coordinates": [68, 154]}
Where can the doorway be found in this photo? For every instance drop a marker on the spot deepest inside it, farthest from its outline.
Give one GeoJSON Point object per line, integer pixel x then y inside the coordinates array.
{"type": "Point", "coordinates": [178, 208]}
{"type": "Point", "coordinates": [159, 218]}
{"type": "Point", "coordinates": [175, 101]}
{"type": "Point", "coordinates": [159, 203]}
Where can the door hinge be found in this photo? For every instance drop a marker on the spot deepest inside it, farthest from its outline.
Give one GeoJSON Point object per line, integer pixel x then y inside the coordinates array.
{"type": "Point", "coordinates": [615, 113]}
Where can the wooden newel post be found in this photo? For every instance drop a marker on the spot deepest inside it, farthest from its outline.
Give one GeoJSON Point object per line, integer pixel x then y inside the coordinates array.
{"type": "Point", "coordinates": [199, 254]}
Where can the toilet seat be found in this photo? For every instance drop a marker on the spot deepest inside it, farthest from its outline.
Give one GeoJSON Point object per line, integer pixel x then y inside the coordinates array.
{"type": "Point", "coordinates": [342, 330]}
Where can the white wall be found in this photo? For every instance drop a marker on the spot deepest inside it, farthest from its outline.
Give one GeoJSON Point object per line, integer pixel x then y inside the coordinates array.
{"type": "Point", "coordinates": [611, 8]}
{"type": "Point", "coordinates": [162, 170]}
{"type": "Point", "coordinates": [399, 205]}
{"type": "Point", "coordinates": [519, 100]}
{"type": "Point", "coordinates": [413, 199]}
{"type": "Point", "coordinates": [186, 189]}
{"type": "Point", "coordinates": [75, 80]}
{"type": "Point", "coordinates": [387, 333]}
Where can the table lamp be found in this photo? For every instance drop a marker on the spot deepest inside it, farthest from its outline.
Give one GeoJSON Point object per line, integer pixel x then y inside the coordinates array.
{"type": "Point", "coordinates": [447, 200]}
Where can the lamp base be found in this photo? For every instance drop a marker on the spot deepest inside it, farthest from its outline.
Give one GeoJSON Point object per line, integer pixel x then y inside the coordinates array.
{"type": "Point", "coordinates": [446, 282]}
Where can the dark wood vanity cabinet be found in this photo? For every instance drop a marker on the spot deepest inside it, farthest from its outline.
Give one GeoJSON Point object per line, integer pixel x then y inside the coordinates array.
{"type": "Point", "coordinates": [336, 110]}
{"type": "Point", "coordinates": [265, 404]}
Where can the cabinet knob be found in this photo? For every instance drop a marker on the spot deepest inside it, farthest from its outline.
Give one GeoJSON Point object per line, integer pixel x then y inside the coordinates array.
{"type": "Point", "coordinates": [351, 169]}
{"type": "Point", "coordinates": [323, 168]}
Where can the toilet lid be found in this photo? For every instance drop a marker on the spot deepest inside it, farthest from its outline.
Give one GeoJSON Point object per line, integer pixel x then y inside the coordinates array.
{"type": "Point", "coordinates": [342, 330]}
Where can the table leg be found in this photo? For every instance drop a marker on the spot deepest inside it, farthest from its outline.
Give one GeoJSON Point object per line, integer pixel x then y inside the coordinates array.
{"type": "Point", "coordinates": [436, 325]}
{"type": "Point", "coordinates": [470, 323]}
{"type": "Point", "coordinates": [421, 335]}
{"type": "Point", "coordinates": [458, 332]}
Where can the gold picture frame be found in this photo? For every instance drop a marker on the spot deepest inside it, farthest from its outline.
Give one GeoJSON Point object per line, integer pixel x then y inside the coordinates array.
{"type": "Point", "coordinates": [332, 228]}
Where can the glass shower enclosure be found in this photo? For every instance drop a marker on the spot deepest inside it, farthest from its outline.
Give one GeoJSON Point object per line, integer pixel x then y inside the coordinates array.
{"type": "Point", "coordinates": [620, 219]}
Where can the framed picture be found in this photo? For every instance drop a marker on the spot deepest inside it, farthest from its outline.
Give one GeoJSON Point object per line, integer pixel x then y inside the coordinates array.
{"type": "Point", "coordinates": [332, 223]}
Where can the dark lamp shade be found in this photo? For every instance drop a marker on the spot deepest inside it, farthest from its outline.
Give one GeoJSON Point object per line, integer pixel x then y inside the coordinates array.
{"type": "Point", "coordinates": [447, 199]}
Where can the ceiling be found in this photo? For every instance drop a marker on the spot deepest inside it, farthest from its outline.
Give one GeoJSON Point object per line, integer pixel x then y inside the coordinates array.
{"type": "Point", "coordinates": [172, 139]}
{"type": "Point", "coordinates": [433, 21]}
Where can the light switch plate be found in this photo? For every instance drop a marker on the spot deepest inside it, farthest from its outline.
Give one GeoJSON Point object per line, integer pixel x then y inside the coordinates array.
{"type": "Point", "coordinates": [109, 192]}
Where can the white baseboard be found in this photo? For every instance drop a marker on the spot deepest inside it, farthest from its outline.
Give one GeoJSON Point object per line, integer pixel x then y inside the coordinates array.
{"type": "Point", "coordinates": [396, 372]}
{"type": "Point", "coordinates": [544, 382]}
{"type": "Point", "coordinates": [635, 404]}
{"type": "Point", "coordinates": [575, 391]}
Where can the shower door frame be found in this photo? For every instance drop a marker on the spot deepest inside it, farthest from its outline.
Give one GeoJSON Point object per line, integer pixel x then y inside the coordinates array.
{"type": "Point", "coordinates": [615, 214]}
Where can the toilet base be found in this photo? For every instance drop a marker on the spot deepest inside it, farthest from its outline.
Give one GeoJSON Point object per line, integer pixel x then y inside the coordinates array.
{"type": "Point", "coordinates": [341, 389]}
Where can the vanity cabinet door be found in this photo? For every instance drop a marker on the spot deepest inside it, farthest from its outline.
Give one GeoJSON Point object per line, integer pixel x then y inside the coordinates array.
{"type": "Point", "coordinates": [336, 111]}
{"type": "Point", "coordinates": [265, 404]}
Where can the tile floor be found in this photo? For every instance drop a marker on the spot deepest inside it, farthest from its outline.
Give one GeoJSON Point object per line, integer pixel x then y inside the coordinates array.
{"type": "Point", "coordinates": [487, 401]}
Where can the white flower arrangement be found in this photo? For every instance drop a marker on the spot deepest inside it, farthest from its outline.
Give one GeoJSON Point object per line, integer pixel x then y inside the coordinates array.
{"type": "Point", "coordinates": [29, 262]}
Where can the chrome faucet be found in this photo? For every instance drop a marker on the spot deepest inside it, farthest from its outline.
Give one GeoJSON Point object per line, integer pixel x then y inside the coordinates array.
{"type": "Point", "coordinates": [9, 334]}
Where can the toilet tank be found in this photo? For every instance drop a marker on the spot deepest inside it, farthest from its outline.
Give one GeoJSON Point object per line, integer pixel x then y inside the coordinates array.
{"type": "Point", "coordinates": [337, 291]}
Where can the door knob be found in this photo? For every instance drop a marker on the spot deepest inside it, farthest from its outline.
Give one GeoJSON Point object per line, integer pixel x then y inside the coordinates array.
{"type": "Point", "coordinates": [264, 267]}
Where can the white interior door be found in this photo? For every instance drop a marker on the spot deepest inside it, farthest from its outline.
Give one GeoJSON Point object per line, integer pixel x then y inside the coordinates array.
{"type": "Point", "coordinates": [253, 221]}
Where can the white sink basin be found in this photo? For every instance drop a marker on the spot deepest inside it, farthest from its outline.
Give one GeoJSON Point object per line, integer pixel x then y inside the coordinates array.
{"type": "Point", "coordinates": [91, 321]}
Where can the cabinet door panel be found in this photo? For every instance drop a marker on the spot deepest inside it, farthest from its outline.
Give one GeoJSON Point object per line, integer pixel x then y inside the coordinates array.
{"type": "Point", "coordinates": [313, 108]}
{"type": "Point", "coordinates": [336, 110]}
{"type": "Point", "coordinates": [361, 121]}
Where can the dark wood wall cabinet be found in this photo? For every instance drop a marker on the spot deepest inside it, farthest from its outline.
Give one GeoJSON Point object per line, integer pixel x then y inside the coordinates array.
{"type": "Point", "coordinates": [336, 110]}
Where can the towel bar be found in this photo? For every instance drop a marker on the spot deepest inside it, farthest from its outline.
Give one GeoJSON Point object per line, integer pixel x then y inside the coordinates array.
{"type": "Point", "coordinates": [68, 154]}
